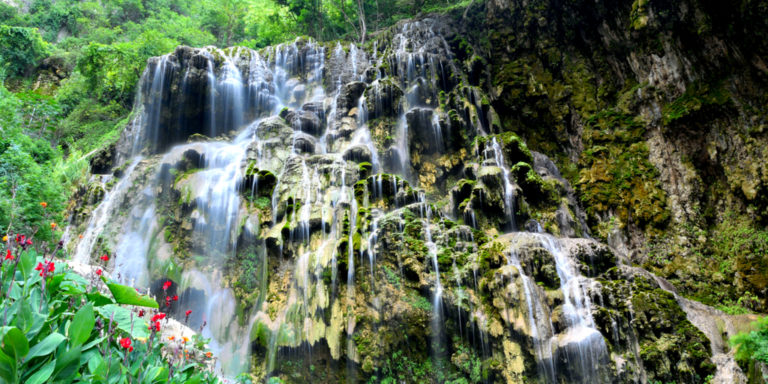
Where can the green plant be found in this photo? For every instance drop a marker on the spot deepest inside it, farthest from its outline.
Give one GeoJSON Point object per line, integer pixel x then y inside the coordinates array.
{"type": "Point", "coordinates": [58, 326]}
{"type": "Point", "coordinates": [20, 48]}
{"type": "Point", "coordinates": [752, 345]}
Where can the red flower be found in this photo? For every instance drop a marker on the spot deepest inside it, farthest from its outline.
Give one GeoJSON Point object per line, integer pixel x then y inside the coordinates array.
{"type": "Point", "coordinates": [159, 316]}
{"type": "Point", "coordinates": [29, 242]}
{"type": "Point", "coordinates": [98, 272]}
{"type": "Point", "coordinates": [8, 255]}
{"type": "Point", "coordinates": [188, 312]}
{"type": "Point", "coordinates": [175, 297]}
{"type": "Point", "coordinates": [126, 343]}
{"type": "Point", "coordinates": [141, 313]}
{"type": "Point", "coordinates": [104, 258]}
{"type": "Point", "coordinates": [166, 285]}
{"type": "Point", "coordinates": [157, 326]}
{"type": "Point", "coordinates": [45, 269]}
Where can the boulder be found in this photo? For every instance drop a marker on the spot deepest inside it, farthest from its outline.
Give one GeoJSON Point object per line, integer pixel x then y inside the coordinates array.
{"type": "Point", "coordinates": [305, 121]}
{"type": "Point", "coordinates": [358, 153]}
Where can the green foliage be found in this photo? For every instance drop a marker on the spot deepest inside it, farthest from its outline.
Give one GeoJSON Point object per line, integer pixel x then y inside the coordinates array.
{"type": "Point", "coordinates": [753, 345]}
{"type": "Point", "coordinates": [28, 166]}
{"type": "Point", "coordinates": [400, 367]}
{"type": "Point", "coordinates": [112, 71]}
{"type": "Point", "coordinates": [128, 296]}
{"type": "Point", "coordinates": [698, 96]}
{"type": "Point", "coordinates": [20, 49]}
{"type": "Point", "coordinates": [56, 327]}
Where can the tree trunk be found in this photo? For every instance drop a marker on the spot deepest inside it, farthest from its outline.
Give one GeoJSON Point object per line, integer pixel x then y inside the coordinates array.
{"type": "Point", "coordinates": [361, 18]}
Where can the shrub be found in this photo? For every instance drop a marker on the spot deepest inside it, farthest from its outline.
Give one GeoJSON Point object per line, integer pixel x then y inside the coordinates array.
{"type": "Point", "coordinates": [60, 326]}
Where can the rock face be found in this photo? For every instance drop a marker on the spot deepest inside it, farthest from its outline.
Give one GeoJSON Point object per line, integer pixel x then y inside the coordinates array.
{"type": "Point", "coordinates": [354, 218]}
{"type": "Point", "coordinates": [667, 133]}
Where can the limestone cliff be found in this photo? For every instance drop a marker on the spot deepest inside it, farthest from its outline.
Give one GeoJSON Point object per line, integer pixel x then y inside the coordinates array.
{"type": "Point", "coordinates": [523, 192]}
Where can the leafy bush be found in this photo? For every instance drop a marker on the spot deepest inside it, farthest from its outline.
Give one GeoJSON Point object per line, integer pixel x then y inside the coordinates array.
{"type": "Point", "coordinates": [753, 345]}
{"type": "Point", "coordinates": [20, 48]}
{"type": "Point", "coordinates": [60, 326]}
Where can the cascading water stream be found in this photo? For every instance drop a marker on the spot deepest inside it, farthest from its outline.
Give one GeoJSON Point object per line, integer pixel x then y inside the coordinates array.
{"type": "Point", "coordinates": [582, 342]}
{"type": "Point", "coordinates": [539, 322]}
{"type": "Point", "coordinates": [101, 216]}
{"type": "Point", "coordinates": [509, 192]}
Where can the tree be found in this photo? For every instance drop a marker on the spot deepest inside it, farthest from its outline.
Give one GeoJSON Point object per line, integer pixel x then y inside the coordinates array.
{"type": "Point", "coordinates": [20, 48]}
{"type": "Point", "coordinates": [226, 19]}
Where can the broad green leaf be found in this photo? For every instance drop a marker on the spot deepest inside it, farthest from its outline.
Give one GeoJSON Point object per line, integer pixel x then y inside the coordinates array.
{"type": "Point", "coordinates": [67, 363]}
{"type": "Point", "coordinates": [15, 344]}
{"type": "Point", "coordinates": [75, 278]}
{"type": "Point", "coordinates": [98, 299]}
{"type": "Point", "coordinates": [115, 372]}
{"type": "Point", "coordinates": [97, 366]}
{"type": "Point", "coordinates": [43, 374]}
{"type": "Point", "coordinates": [28, 319]}
{"type": "Point", "coordinates": [124, 294]}
{"type": "Point", "coordinates": [123, 318]}
{"type": "Point", "coordinates": [16, 292]}
{"type": "Point", "coordinates": [27, 263]}
{"type": "Point", "coordinates": [46, 345]}
{"type": "Point", "coordinates": [53, 284]}
{"type": "Point", "coordinates": [155, 375]}
{"type": "Point", "coordinates": [7, 368]}
{"type": "Point", "coordinates": [82, 325]}
{"type": "Point", "coordinates": [71, 289]}
{"type": "Point", "coordinates": [93, 343]}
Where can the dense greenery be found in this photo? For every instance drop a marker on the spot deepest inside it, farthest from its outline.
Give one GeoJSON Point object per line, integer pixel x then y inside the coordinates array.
{"type": "Point", "coordinates": [753, 346]}
{"type": "Point", "coordinates": [60, 326]}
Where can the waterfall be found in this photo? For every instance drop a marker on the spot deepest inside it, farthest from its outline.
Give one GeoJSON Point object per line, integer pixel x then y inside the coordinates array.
{"type": "Point", "coordinates": [280, 188]}
{"type": "Point", "coordinates": [509, 196]}
{"type": "Point", "coordinates": [540, 325]}
{"type": "Point", "coordinates": [103, 213]}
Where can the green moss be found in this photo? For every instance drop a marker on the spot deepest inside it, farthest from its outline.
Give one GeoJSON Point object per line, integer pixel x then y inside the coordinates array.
{"type": "Point", "coordinates": [639, 15]}
{"type": "Point", "coordinates": [699, 96]}
{"type": "Point", "coordinates": [616, 175]}
{"type": "Point", "coordinates": [671, 347]}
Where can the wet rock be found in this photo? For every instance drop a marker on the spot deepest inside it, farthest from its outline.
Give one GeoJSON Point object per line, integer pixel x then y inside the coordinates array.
{"type": "Point", "coordinates": [315, 107]}
{"type": "Point", "coordinates": [299, 92]}
{"type": "Point", "coordinates": [383, 98]}
{"type": "Point", "coordinates": [305, 121]}
{"type": "Point", "coordinates": [425, 134]}
{"type": "Point", "coordinates": [596, 258]}
{"type": "Point", "coordinates": [103, 161]}
{"type": "Point", "coordinates": [304, 143]}
{"type": "Point", "coordinates": [358, 153]}
{"type": "Point", "coordinates": [491, 176]}
{"type": "Point", "coordinates": [349, 96]}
